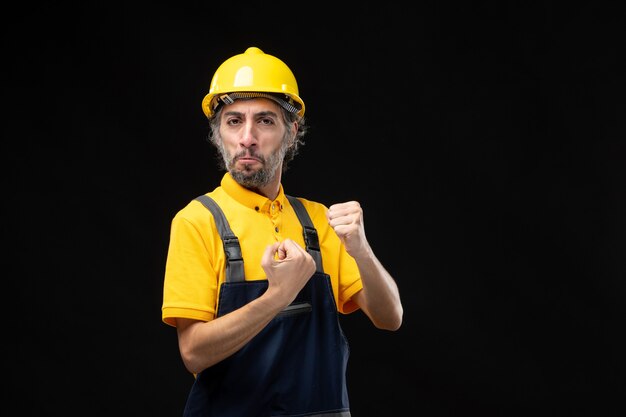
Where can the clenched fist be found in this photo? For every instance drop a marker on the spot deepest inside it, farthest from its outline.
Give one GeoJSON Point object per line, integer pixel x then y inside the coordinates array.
{"type": "Point", "coordinates": [288, 268]}
{"type": "Point", "coordinates": [347, 221]}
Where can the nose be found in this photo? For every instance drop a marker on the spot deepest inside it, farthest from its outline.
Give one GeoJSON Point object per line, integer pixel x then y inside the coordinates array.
{"type": "Point", "coordinates": [248, 135]}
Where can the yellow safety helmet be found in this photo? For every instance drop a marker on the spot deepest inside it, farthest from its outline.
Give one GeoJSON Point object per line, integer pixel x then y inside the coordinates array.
{"type": "Point", "coordinates": [253, 74]}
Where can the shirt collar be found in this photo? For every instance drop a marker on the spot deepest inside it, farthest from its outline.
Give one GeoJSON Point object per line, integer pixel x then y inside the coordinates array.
{"type": "Point", "coordinates": [249, 198]}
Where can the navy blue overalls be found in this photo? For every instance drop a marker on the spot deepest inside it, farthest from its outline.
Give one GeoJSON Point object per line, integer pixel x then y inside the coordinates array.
{"type": "Point", "coordinates": [296, 366]}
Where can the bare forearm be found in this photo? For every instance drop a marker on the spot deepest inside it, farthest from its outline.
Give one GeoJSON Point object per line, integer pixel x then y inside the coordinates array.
{"type": "Point", "coordinates": [288, 268]}
{"type": "Point", "coordinates": [204, 344]}
{"type": "Point", "coordinates": [380, 297]}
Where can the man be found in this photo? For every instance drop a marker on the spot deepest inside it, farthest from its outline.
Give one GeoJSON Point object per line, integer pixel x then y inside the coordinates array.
{"type": "Point", "coordinates": [255, 277]}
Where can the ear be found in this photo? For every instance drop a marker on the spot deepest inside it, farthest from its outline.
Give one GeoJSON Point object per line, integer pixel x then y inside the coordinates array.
{"type": "Point", "coordinates": [215, 138]}
{"type": "Point", "coordinates": [294, 133]}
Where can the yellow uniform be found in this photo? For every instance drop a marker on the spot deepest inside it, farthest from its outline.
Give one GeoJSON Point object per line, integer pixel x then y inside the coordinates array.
{"type": "Point", "coordinates": [196, 264]}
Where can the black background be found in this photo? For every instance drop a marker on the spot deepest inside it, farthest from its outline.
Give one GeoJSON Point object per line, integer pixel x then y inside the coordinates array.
{"type": "Point", "coordinates": [486, 143]}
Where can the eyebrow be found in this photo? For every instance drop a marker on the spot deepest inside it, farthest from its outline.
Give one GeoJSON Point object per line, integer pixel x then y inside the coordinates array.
{"type": "Point", "coordinates": [259, 114]}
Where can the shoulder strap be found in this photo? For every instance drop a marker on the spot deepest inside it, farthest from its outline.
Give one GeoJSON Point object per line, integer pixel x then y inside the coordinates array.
{"type": "Point", "coordinates": [308, 230]}
{"type": "Point", "coordinates": [232, 249]}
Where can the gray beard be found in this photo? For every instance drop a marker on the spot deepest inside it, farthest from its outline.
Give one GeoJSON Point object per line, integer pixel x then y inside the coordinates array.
{"type": "Point", "coordinates": [254, 179]}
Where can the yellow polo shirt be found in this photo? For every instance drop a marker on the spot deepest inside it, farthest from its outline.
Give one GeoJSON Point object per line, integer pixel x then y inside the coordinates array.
{"type": "Point", "coordinates": [196, 265]}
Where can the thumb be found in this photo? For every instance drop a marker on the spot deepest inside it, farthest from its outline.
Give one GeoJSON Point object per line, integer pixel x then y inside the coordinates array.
{"type": "Point", "coordinates": [269, 254]}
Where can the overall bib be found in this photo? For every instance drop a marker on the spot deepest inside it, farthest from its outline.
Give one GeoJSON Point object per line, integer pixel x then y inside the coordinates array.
{"type": "Point", "coordinates": [296, 366]}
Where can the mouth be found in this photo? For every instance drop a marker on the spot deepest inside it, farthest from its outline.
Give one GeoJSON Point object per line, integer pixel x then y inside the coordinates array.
{"type": "Point", "coordinates": [248, 163]}
{"type": "Point", "coordinates": [246, 158]}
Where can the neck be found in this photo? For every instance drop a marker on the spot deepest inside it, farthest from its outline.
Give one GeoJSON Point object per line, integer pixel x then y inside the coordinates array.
{"type": "Point", "coordinates": [270, 190]}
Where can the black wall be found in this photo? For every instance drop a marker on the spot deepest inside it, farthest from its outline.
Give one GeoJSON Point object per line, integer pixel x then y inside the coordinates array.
{"type": "Point", "coordinates": [486, 143]}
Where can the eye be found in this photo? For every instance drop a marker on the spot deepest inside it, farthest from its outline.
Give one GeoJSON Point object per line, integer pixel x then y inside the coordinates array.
{"type": "Point", "coordinates": [233, 121]}
{"type": "Point", "coordinates": [267, 121]}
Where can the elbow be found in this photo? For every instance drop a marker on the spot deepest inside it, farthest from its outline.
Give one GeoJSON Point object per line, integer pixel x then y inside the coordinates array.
{"type": "Point", "coordinates": [391, 323]}
{"type": "Point", "coordinates": [191, 362]}
{"type": "Point", "coordinates": [193, 368]}
{"type": "Point", "coordinates": [193, 355]}
{"type": "Point", "coordinates": [394, 325]}
{"type": "Point", "coordinates": [194, 361]}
